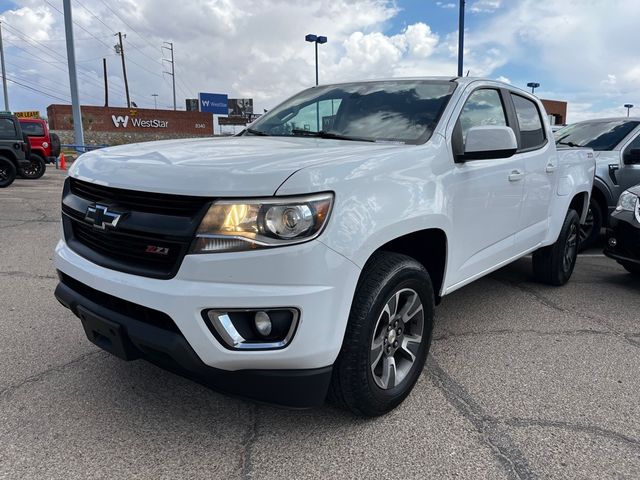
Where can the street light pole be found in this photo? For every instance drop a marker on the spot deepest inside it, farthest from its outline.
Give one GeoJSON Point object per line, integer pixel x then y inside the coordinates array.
{"type": "Point", "coordinates": [73, 76]}
{"type": "Point", "coordinates": [4, 74]}
{"type": "Point", "coordinates": [317, 39]}
{"type": "Point", "coordinates": [461, 37]}
{"type": "Point", "coordinates": [628, 106]}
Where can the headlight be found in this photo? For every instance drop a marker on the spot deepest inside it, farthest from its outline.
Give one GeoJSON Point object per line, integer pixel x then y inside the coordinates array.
{"type": "Point", "coordinates": [234, 225]}
{"type": "Point", "coordinates": [627, 202]}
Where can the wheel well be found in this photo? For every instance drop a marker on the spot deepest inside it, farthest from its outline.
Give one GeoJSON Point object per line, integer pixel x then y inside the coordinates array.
{"type": "Point", "coordinates": [9, 155]}
{"type": "Point", "coordinates": [429, 247]}
{"type": "Point", "coordinates": [601, 200]}
{"type": "Point", "coordinates": [580, 205]}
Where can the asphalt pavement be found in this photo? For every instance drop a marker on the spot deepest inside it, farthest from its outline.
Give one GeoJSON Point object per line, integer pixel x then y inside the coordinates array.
{"type": "Point", "coordinates": [523, 381]}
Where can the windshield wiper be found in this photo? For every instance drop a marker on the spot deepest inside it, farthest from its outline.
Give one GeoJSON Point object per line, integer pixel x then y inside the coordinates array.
{"type": "Point", "coordinates": [253, 131]}
{"type": "Point", "coordinates": [329, 135]}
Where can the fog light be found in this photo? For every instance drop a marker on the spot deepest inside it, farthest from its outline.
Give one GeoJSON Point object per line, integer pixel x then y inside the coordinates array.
{"type": "Point", "coordinates": [613, 242]}
{"type": "Point", "coordinates": [262, 322]}
{"type": "Point", "coordinates": [253, 329]}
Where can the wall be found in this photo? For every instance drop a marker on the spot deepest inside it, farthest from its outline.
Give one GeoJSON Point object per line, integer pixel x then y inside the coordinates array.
{"type": "Point", "coordinates": [152, 124]}
{"type": "Point", "coordinates": [118, 138]}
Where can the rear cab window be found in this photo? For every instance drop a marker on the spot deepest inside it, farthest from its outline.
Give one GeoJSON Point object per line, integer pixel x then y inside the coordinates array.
{"type": "Point", "coordinates": [532, 133]}
{"type": "Point", "coordinates": [32, 129]}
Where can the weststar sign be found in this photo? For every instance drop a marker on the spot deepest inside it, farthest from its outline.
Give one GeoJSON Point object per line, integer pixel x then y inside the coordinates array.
{"type": "Point", "coordinates": [123, 121]}
{"type": "Point", "coordinates": [126, 121]}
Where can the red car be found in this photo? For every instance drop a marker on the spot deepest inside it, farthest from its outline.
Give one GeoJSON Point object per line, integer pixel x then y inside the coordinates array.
{"type": "Point", "coordinates": [45, 146]}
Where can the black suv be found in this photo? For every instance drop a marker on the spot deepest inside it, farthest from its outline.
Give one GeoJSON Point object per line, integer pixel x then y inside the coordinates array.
{"type": "Point", "coordinates": [14, 149]}
{"type": "Point", "coordinates": [623, 243]}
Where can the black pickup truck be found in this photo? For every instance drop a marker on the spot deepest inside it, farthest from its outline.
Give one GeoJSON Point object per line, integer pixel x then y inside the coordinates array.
{"type": "Point", "coordinates": [14, 149]}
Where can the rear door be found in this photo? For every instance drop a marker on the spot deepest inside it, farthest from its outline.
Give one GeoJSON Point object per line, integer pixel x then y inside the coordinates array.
{"type": "Point", "coordinates": [485, 195]}
{"type": "Point", "coordinates": [538, 155]}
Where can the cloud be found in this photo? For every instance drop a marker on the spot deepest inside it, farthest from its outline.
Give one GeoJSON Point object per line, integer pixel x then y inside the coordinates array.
{"type": "Point", "coordinates": [256, 48]}
{"type": "Point", "coordinates": [485, 6]}
{"type": "Point", "coordinates": [503, 79]}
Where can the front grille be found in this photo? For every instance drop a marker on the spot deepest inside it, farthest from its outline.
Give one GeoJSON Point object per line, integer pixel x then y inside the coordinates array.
{"type": "Point", "coordinates": [160, 203]}
{"type": "Point", "coordinates": [118, 305]}
{"type": "Point", "coordinates": [129, 248]}
{"type": "Point", "coordinates": [151, 238]}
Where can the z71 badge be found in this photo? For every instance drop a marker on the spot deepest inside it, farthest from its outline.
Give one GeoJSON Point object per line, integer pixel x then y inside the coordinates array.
{"type": "Point", "coordinates": [157, 250]}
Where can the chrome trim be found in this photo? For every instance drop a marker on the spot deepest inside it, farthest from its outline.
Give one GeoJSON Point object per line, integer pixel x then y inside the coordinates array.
{"type": "Point", "coordinates": [223, 325]}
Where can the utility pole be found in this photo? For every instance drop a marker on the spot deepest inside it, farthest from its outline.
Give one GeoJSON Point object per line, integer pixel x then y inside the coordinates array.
{"type": "Point", "coordinates": [106, 84]}
{"type": "Point", "coordinates": [120, 50]}
{"type": "Point", "coordinates": [461, 38]}
{"type": "Point", "coordinates": [4, 73]}
{"type": "Point", "coordinates": [155, 100]}
{"type": "Point", "coordinates": [73, 76]}
{"type": "Point", "coordinates": [173, 70]}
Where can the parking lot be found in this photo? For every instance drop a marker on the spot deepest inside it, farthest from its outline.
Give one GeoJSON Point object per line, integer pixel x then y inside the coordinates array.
{"type": "Point", "coordinates": [523, 381]}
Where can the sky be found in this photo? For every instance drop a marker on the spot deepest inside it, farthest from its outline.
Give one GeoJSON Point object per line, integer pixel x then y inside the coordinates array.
{"type": "Point", "coordinates": [581, 51]}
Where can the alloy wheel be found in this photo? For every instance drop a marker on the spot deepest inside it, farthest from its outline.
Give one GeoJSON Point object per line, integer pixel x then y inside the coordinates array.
{"type": "Point", "coordinates": [397, 338]}
{"type": "Point", "coordinates": [570, 248]}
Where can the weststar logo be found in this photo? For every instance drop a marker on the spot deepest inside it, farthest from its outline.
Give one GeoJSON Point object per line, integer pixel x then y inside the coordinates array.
{"type": "Point", "coordinates": [120, 120]}
{"type": "Point", "coordinates": [123, 121]}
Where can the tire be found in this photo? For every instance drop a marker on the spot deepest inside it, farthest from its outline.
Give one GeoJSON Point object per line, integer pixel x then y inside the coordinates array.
{"type": "Point", "coordinates": [632, 268]}
{"type": "Point", "coordinates": [360, 381]}
{"type": "Point", "coordinates": [36, 168]}
{"type": "Point", "coordinates": [55, 145]}
{"type": "Point", "coordinates": [554, 264]}
{"type": "Point", "coordinates": [590, 230]}
{"type": "Point", "coordinates": [7, 172]}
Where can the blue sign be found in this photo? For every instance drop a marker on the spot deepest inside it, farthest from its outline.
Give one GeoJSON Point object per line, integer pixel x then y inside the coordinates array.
{"type": "Point", "coordinates": [215, 103]}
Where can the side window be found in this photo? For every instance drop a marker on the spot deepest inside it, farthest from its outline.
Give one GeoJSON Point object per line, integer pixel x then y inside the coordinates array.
{"type": "Point", "coordinates": [483, 107]}
{"type": "Point", "coordinates": [531, 127]}
{"type": "Point", "coordinates": [634, 145]}
{"type": "Point", "coordinates": [7, 128]}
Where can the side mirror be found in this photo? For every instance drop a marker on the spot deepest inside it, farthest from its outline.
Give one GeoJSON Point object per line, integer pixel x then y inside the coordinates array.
{"type": "Point", "coordinates": [487, 142]}
{"type": "Point", "coordinates": [632, 156]}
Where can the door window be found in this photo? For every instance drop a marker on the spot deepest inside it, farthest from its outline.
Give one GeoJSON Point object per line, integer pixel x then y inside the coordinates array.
{"type": "Point", "coordinates": [634, 145]}
{"type": "Point", "coordinates": [483, 107]}
{"type": "Point", "coordinates": [7, 128]}
{"type": "Point", "coordinates": [531, 126]}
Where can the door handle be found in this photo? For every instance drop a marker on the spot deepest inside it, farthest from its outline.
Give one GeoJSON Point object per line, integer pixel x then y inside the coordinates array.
{"type": "Point", "coordinates": [516, 176]}
{"type": "Point", "coordinates": [550, 168]}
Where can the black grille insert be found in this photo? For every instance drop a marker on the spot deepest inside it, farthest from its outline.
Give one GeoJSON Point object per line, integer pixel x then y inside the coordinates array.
{"type": "Point", "coordinates": [123, 307]}
{"type": "Point", "coordinates": [161, 203]}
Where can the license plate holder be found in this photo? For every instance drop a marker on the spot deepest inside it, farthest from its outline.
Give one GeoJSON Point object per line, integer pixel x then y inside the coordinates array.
{"type": "Point", "coordinates": [106, 334]}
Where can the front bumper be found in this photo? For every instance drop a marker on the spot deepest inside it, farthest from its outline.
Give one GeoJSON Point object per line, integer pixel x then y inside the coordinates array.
{"type": "Point", "coordinates": [130, 338]}
{"type": "Point", "coordinates": [625, 229]}
{"type": "Point", "coordinates": [317, 281]}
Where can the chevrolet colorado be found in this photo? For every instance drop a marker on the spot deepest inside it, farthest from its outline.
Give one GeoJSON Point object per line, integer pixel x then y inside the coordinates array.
{"type": "Point", "coordinates": [305, 256]}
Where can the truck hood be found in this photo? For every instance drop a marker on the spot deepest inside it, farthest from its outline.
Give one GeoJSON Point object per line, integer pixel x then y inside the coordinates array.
{"type": "Point", "coordinates": [230, 166]}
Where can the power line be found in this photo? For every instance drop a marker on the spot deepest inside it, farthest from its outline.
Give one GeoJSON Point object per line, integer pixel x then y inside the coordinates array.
{"type": "Point", "coordinates": [37, 90]}
{"type": "Point", "coordinates": [77, 24]}
{"type": "Point", "coordinates": [126, 24]}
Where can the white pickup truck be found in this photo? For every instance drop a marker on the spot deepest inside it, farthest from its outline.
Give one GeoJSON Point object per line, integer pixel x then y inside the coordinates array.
{"type": "Point", "coordinates": [305, 256]}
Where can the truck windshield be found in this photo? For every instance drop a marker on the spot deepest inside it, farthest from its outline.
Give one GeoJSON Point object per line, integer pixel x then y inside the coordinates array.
{"type": "Point", "coordinates": [601, 136]}
{"type": "Point", "coordinates": [32, 129]}
{"type": "Point", "coordinates": [397, 111]}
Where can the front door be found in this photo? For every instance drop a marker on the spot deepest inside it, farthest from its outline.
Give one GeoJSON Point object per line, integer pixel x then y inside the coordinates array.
{"type": "Point", "coordinates": [486, 195]}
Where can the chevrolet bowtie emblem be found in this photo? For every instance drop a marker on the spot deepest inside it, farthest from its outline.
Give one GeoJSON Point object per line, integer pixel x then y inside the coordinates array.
{"type": "Point", "coordinates": [100, 217]}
